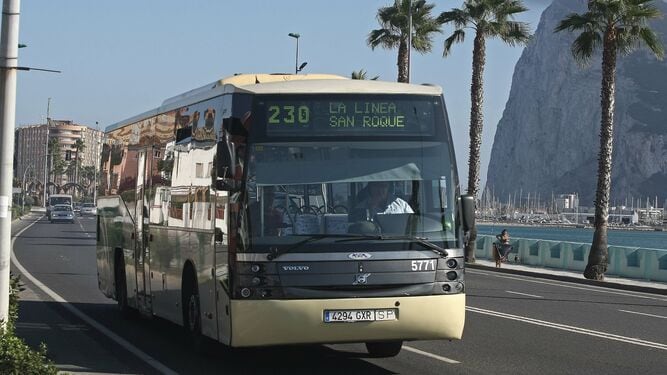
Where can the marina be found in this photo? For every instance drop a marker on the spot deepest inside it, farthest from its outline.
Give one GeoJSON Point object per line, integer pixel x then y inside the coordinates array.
{"type": "Point", "coordinates": [649, 239]}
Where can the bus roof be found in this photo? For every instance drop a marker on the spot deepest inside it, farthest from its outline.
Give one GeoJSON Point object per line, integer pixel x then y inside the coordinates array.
{"type": "Point", "coordinates": [281, 84]}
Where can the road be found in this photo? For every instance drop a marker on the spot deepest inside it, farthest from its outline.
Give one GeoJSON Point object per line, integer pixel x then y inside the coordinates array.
{"type": "Point", "coordinates": [514, 325]}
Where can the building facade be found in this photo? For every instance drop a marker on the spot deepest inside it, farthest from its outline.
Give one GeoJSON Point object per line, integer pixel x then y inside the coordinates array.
{"type": "Point", "coordinates": [30, 157]}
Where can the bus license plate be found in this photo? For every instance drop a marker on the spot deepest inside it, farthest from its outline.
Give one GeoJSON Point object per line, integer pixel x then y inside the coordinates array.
{"type": "Point", "coordinates": [366, 315]}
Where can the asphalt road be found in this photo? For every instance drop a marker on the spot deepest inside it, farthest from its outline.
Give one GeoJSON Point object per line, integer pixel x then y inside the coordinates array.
{"type": "Point", "coordinates": [514, 325]}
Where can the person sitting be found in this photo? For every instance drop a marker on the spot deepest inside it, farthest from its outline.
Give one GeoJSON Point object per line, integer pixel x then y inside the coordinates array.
{"type": "Point", "coordinates": [379, 201]}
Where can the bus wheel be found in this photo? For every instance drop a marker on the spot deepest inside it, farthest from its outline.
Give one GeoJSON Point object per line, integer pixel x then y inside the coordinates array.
{"type": "Point", "coordinates": [192, 315]}
{"type": "Point", "coordinates": [121, 287]}
{"type": "Point", "coordinates": [384, 349]}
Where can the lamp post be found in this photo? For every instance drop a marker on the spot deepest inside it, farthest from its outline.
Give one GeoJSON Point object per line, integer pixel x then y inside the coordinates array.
{"type": "Point", "coordinates": [8, 67]}
{"type": "Point", "coordinates": [297, 68]}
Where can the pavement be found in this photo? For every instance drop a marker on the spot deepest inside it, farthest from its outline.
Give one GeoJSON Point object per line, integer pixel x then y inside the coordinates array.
{"type": "Point", "coordinates": [637, 285]}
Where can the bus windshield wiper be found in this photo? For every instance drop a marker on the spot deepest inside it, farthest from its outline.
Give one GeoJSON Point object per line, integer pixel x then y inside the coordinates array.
{"type": "Point", "coordinates": [276, 252]}
{"type": "Point", "coordinates": [420, 240]}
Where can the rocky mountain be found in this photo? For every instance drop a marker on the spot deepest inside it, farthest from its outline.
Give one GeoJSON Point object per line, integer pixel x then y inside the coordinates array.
{"type": "Point", "coordinates": [547, 140]}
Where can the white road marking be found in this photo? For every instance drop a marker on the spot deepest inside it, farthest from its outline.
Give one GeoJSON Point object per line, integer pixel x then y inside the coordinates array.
{"type": "Point", "coordinates": [645, 314]}
{"type": "Point", "coordinates": [430, 355]}
{"type": "Point", "coordinates": [90, 321]}
{"type": "Point", "coordinates": [564, 327]}
{"type": "Point", "coordinates": [565, 284]}
{"type": "Point", "coordinates": [524, 294]}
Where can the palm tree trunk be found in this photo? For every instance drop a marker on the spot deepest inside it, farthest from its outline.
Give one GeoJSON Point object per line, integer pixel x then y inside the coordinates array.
{"type": "Point", "coordinates": [476, 125]}
{"type": "Point", "coordinates": [599, 254]}
{"type": "Point", "coordinates": [403, 61]}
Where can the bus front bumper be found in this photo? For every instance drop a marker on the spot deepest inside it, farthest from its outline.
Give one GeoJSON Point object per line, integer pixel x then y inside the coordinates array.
{"type": "Point", "coordinates": [280, 322]}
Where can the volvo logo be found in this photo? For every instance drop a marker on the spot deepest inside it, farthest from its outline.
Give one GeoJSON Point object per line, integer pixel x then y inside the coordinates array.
{"type": "Point", "coordinates": [359, 256]}
{"type": "Point", "coordinates": [296, 268]}
{"type": "Point", "coordinates": [361, 278]}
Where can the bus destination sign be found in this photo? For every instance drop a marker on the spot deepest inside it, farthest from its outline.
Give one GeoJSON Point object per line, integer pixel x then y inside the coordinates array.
{"type": "Point", "coordinates": [350, 117]}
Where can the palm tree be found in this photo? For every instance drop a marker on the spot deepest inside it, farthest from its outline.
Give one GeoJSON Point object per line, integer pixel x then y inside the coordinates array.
{"type": "Point", "coordinates": [362, 75]}
{"type": "Point", "coordinates": [619, 27]}
{"type": "Point", "coordinates": [395, 29]}
{"type": "Point", "coordinates": [489, 19]}
{"type": "Point", "coordinates": [79, 145]}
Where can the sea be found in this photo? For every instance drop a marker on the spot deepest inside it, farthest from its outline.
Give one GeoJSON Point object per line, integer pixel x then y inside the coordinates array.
{"type": "Point", "coordinates": [615, 237]}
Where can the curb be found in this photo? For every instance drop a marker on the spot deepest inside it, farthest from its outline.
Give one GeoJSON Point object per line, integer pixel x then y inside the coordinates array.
{"type": "Point", "coordinates": [606, 284]}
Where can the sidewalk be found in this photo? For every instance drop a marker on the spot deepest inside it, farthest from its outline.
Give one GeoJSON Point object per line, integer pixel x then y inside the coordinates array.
{"type": "Point", "coordinates": [636, 285]}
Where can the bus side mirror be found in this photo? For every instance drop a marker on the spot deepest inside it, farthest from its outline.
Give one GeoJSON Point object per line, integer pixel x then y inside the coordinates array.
{"type": "Point", "coordinates": [467, 212]}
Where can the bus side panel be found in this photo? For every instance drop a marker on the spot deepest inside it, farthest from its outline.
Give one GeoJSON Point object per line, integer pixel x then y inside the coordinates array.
{"type": "Point", "coordinates": [104, 255]}
{"type": "Point", "coordinates": [166, 271]}
{"type": "Point", "coordinates": [202, 245]}
{"type": "Point", "coordinates": [114, 232]}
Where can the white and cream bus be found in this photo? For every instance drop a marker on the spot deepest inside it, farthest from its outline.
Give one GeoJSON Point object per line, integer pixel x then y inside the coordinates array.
{"type": "Point", "coordinates": [240, 210]}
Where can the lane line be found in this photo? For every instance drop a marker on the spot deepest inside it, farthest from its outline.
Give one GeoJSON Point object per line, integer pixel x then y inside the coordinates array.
{"type": "Point", "coordinates": [90, 321]}
{"type": "Point", "coordinates": [524, 294]}
{"type": "Point", "coordinates": [430, 355]}
{"type": "Point", "coordinates": [564, 327]}
{"type": "Point", "coordinates": [565, 284]}
{"type": "Point", "coordinates": [645, 314]}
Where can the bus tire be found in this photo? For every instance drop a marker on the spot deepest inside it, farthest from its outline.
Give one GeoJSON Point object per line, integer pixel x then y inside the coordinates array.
{"type": "Point", "coordinates": [384, 349]}
{"type": "Point", "coordinates": [121, 285]}
{"type": "Point", "coordinates": [192, 313]}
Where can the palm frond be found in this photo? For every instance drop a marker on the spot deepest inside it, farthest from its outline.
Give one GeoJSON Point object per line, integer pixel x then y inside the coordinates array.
{"type": "Point", "coordinates": [458, 17]}
{"type": "Point", "coordinates": [382, 37]}
{"type": "Point", "coordinates": [584, 46]}
{"type": "Point", "coordinates": [458, 36]}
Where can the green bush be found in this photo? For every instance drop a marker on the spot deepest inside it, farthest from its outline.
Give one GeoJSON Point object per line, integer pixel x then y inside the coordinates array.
{"type": "Point", "coordinates": [16, 357]}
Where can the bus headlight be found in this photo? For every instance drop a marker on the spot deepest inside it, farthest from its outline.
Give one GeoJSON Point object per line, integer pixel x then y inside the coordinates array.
{"type": "Point", "coordinates": [246, 292]}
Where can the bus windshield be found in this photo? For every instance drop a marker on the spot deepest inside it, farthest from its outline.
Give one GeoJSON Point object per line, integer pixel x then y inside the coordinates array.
{"type": "Point", "coordinates": [389, 188]}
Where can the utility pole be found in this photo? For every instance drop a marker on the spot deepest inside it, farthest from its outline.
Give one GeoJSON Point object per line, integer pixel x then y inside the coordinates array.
{"type": "Point", "coordinates": [409, 38]}
{"type": "Point", "coordinates": [97, 163]}
{"type": "Point", "coordinates": [9, 50]}
{"type": "Point", "coordinates": [46, 151]}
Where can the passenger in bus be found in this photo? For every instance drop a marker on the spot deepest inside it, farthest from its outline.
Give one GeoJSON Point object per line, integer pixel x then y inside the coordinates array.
{"type": "Point", "coordinates": [273, 218]}
{"type": "Point", "coordinates": [379, 201]}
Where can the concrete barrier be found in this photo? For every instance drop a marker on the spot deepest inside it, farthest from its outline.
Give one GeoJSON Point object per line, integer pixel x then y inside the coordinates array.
{"type": "Point", "coordinates": [630, 262]}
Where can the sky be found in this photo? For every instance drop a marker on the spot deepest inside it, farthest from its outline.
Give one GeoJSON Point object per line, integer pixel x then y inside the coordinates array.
{"type": "Point", "coordinates": [121, 58]}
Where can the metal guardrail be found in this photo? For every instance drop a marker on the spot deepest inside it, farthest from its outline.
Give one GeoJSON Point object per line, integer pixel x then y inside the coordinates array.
{"type": "Point", "coordinates": [630, 262]}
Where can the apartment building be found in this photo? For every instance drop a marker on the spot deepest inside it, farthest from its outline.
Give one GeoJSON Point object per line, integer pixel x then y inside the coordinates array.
{"type": "Point", "coordinates": [30, 155]}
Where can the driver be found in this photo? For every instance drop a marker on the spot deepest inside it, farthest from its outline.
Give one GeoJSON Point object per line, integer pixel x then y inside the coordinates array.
{"type": "Point", "coordinates": [379, 201]}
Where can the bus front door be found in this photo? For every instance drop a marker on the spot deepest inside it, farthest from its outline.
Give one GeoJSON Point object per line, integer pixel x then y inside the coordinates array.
{"type": "Point", "coordinates": [142, 243]}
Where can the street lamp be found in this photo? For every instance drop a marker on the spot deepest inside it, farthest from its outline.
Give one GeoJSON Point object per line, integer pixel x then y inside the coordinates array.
{"type": "Point", "coordinates": [297, 68]}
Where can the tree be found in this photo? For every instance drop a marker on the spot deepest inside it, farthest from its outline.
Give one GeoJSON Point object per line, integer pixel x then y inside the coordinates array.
{"type": "Point", "coordinates": [619, 27]}
{"type": "Point", "coordinates": [58, 165]}
{"type": "Point", "coordinates": [79, 145]}
{"type": "Point", "coordinates": [362, 75]}
{"type": "Point", "coordinates": [489, 19]}
{"type": "Point", "coordinates": [395, 28]}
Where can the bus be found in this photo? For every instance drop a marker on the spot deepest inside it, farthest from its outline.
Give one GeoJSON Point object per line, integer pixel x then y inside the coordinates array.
{"type": "Point", "coordinates": [55, 199]}
{"type": "Point", "coordinates": [236, 210]}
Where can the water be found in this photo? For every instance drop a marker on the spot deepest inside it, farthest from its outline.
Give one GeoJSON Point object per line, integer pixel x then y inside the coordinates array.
{"type": "Point", "coordinates": [629, 238]}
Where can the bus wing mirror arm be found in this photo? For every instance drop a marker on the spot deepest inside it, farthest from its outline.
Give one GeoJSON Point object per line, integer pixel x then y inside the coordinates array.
{"type": "Point", "coordinates": [467, 212]}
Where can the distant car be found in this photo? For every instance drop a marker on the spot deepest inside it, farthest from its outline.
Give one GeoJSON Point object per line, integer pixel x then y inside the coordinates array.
{"type": "Point", "coordinates": [62, 212]}
{"type": "Point", "coordinates": [88, 209]}
{"type": "Point", "coordinates": [77, 207]}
